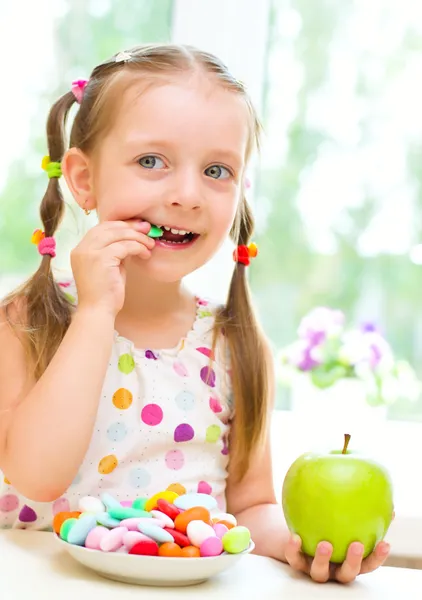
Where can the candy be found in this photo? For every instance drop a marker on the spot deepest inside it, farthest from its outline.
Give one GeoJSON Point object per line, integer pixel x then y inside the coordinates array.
{"type": "Point", "coordinates": [155, 533]}
{"type": "Point", "coordinates": [180, 539]}
{"type": "Point", "coordinates": [220, 530]}
{"type": "Point", "coordinates": [120, 512]}
{"type": "Point", "coordinates": [145, 548]}
{"type": "Point", "coordinates": [168, 509]}
{"type": "Point", "coordinates": [194, 500]}
{"type": "Point", "coordinates": [225, 523]}
{"type": "Point", "coordinates": [109, 501]}
{"type": "Point", "coordinates": [133, 537]}
{"type": "Point", "coordinates": [132, 524]}
{"type": "Point", "coordinates": [170, 549]}
{"type": "Point", "coordinates": [113, 540]}
{"type": "Point", "coordinates": [212, 546]}
{"type": "Point", "coordinates": [126, 503]}
{"type": "Point", "coordinates": [198, 532]}
{"type": "Point", "coordinates": [91, 505]}
{"type": "Point", "coordinates": [79, 531]}
{"type": "Point", "coordinates": [218, 517]}
{"type": "Point", "coordinates": [169, 496]}
{"type": "Point", "coordinates": [177, 488]}
{"type": "Point", "coordinates": [107, 521]}
{"type": "Point", "coordinates": [66, 527]}
{"type": "Point", "coordinates": [236, 540]}
{"type": "Point", "coordinates": [140, 503]}
{"type": "Point", "coordinates": [157, 514]}
{"type": "Point", "coordinates": [193, 514]}
{"type": "Point", "coordinates": [61, 517]}
{"type": "Point", "coordinates": [155, 232]}
{"type": "Point", "coordinates": [190, 552]}
{"type": "Point", "coordinates": [95, 536]}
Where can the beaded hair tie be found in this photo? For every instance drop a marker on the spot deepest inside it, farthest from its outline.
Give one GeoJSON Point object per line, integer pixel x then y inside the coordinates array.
{"type": "Point", "coordinates": [244, 254]}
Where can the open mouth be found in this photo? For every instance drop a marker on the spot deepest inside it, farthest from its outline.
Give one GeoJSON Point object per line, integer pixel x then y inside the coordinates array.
{"type": "Point", "coordinates": [176, 236]}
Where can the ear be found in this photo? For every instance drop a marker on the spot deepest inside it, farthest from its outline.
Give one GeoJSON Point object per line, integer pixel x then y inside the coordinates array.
{"type": "Point", "coordinates": [77, 170]}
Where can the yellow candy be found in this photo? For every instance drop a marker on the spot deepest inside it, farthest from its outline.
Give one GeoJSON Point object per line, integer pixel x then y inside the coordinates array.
{"type": "Point", "coordinates": [177, 488]}
{"type": "Point", "coordinates": [253, 250]}
{"type": "Point", "coordinates": [167, 495]}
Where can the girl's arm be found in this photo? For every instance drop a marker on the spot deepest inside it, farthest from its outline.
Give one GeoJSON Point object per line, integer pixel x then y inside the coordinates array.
{"type": "Point", "coordinates": [252, 500]}
{"type": "Point", "coordinates": [46, 426]}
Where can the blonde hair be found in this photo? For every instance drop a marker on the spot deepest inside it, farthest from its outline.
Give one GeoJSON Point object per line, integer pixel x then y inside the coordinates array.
{"type": "Point", "coordinates": [48, 312]}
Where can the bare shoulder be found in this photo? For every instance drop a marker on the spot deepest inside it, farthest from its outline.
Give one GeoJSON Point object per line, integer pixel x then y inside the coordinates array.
{"type": "Point", "coordinates": [15, 380]}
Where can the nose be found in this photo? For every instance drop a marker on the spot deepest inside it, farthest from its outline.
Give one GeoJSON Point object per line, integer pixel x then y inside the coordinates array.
{"type": "Point", "coordinates": [187, 191]}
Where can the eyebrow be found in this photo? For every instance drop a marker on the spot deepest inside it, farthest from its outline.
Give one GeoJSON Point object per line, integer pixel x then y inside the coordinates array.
{"type": "Point", "coordinates": [228, 155]}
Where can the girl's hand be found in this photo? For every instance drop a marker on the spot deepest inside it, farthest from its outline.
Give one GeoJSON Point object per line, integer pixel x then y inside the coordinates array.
{"type": "Point", "coordinates": [98, 262]}
{"type": "Point", "coordinates": [321, 570]}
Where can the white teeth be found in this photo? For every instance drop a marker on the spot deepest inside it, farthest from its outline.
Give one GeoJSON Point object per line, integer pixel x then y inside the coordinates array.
{"type": "Point", "coordinates": [167, 228]}
{"type": "Point", "coordinates": [179, 231]}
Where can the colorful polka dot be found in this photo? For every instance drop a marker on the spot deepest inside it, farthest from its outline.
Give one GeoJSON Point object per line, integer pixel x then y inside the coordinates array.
{"type": "Point", "coordinates": [6, 481]}
{"type": "Point", "coordinates": [117, 432]}
{"type": "Point", "coordinates": [204, 488]}
{"type": "Point", "coordinates": [207, 352]}
{"type": "Point", "coordinates": [8, 503]}
{"type": "Point", "coordinates": [152, 414]}
{"type": "Point", "coordinates": [213, 433]}
{"type": "Point", "coordinates": [175, 460]}
{"type": "Point", "coordinates": [60, 505]}
{"type": "Point", "coordinates": [183, 433]}
{"type": "Point", "coordinates": [122, 399]}
{"type": "Point", "coordinates": [139, 478]}
{"type": "Point", "coordinates": [150, 354]}
{"type": "Point", "coordinates": [126, 363]}
{"type": "Point", "coordinates": [185, 400]}
{"type": "Point", "coordinates": [107, 464]}
{"type": "Point", "coordinates": [208, 376]}
{"type": "Point", "coordinates": [225, 449]}
{"type": "Point", "coordinates": [202, 314]}
{"type": "Point", "coordinates": [180, 369]}
{"type": "Point", "coordinates": [77, 479]}
{"type": "Point", "coordinates": [27, 515]}
{"type": "Point", "coordinates": [70, 298]}
{"type": "Point", "coordinates": [215, 405]}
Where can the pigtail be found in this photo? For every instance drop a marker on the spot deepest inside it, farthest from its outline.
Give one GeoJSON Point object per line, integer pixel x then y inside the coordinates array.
{"type": "Point", "coordinates": [38, 307]}
{"type": "Point", "coordinates": [248, 354]}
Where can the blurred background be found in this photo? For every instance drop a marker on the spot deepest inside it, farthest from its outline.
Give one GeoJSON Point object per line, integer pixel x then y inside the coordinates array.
{"type": "Point", "coordinates": [337, 189]}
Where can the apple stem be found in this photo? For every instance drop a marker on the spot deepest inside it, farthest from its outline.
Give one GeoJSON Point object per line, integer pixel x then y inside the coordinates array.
{"type": "Point", "coordinates": [347, 437]}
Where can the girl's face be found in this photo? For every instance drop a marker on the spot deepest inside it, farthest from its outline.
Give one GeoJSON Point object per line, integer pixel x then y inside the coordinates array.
{"type": "Point", "coordinates": [175, 157]}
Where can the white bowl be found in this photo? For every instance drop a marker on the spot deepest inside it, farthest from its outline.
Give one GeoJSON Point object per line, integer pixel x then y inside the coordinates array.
{"type": "Point", "coordinates": [152, 570]}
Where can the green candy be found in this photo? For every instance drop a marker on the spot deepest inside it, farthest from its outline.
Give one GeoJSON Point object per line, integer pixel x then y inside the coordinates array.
{"type": "Point", "coordinates": [66, 527]}
{"type": "Point", "coordinates": [127, 513]}
{"type": "Point", "coordinates": [236, 540]}
{"type": "Point", "coordinates": [140, 503]}
{"type": "Point", "coordinates": [155, 232]}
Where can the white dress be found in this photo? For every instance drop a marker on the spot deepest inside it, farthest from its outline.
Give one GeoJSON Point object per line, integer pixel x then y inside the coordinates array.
{"type": "Point", "coordinates": [164, 417]}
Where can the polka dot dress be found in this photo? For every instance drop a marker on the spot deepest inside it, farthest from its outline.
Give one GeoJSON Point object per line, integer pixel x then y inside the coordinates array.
{"type": "Point", "coordinates": [164, 417]}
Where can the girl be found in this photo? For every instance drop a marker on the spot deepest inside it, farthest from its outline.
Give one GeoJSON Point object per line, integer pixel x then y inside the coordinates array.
{"type": "Point", "coordinates": [120, 380]}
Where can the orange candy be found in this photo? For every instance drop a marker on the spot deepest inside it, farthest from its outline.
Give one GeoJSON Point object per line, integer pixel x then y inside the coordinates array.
{"type": "Point", "coordinates": [198, 513]}
{"type": "Point", "coordinates": [226, 523]}
{"type": "Point", "coordinates": [61, 517]}
{"type": "Point", "coordinates": [169, 549]}
{"type": "Point", "coordinates": [177, 488]}
{"type": "Point", "coordinates": [190, 552]}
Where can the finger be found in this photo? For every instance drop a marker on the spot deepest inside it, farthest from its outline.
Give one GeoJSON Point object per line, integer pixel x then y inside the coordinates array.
{"type": "Point", "coordinates": [110, 236]}
{"type": "Point", "coordinates": [351, 567]}
{"type": "Point", "coordinates": [122, 250]}
{"type": "Point", "coordinates": [320, 567]}
{"type": "Point", "coordinates": [377, 558]}
{"type": "Point", "coordinates": [294, 556]}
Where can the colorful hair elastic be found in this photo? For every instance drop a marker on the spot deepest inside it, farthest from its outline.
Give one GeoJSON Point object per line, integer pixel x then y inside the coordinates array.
{"type": "Point", "coordinates": [45, 245]}
{"type": "Point", "coordinates": [78, 89]}
{"type": "Point", "coordinates": [244, 254]}
{"type": "Point", "coordinates": [53, 169]}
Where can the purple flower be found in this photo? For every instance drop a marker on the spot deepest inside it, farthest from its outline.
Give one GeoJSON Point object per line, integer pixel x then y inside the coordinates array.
{"type": "Point", "coordinates": [302, 355]}
{"type": "Point", "coordinates": [321, 323]}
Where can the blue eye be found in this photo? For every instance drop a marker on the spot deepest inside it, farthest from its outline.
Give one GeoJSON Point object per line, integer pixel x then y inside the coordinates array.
{"type": "Point", "coordinates": [218, 172]}
{"type": "Point", "coordinates": [151, 162]}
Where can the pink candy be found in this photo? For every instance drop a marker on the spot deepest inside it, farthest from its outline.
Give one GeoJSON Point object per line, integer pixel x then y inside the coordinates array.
{"type": "Point", "coordinates": [220, 529]}
{"type": "Point", "coordinates": [133, 537]}
{"type": "Point", "coordinates": [113, 540]}
{"type": "Point", "coordinates": [212, 546]}
{"type": "Point", "coordinates": [94, 537]}
{"type": "Point", "coordinates": [132, 524]}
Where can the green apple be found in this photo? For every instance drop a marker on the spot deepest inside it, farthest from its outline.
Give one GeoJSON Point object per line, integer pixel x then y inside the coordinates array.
{"type": "Point", "coordinates": [338, 497]}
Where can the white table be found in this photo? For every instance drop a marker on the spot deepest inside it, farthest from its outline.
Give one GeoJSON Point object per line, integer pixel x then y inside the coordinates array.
{"type": "Point", "coordinates": [33, 567]}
